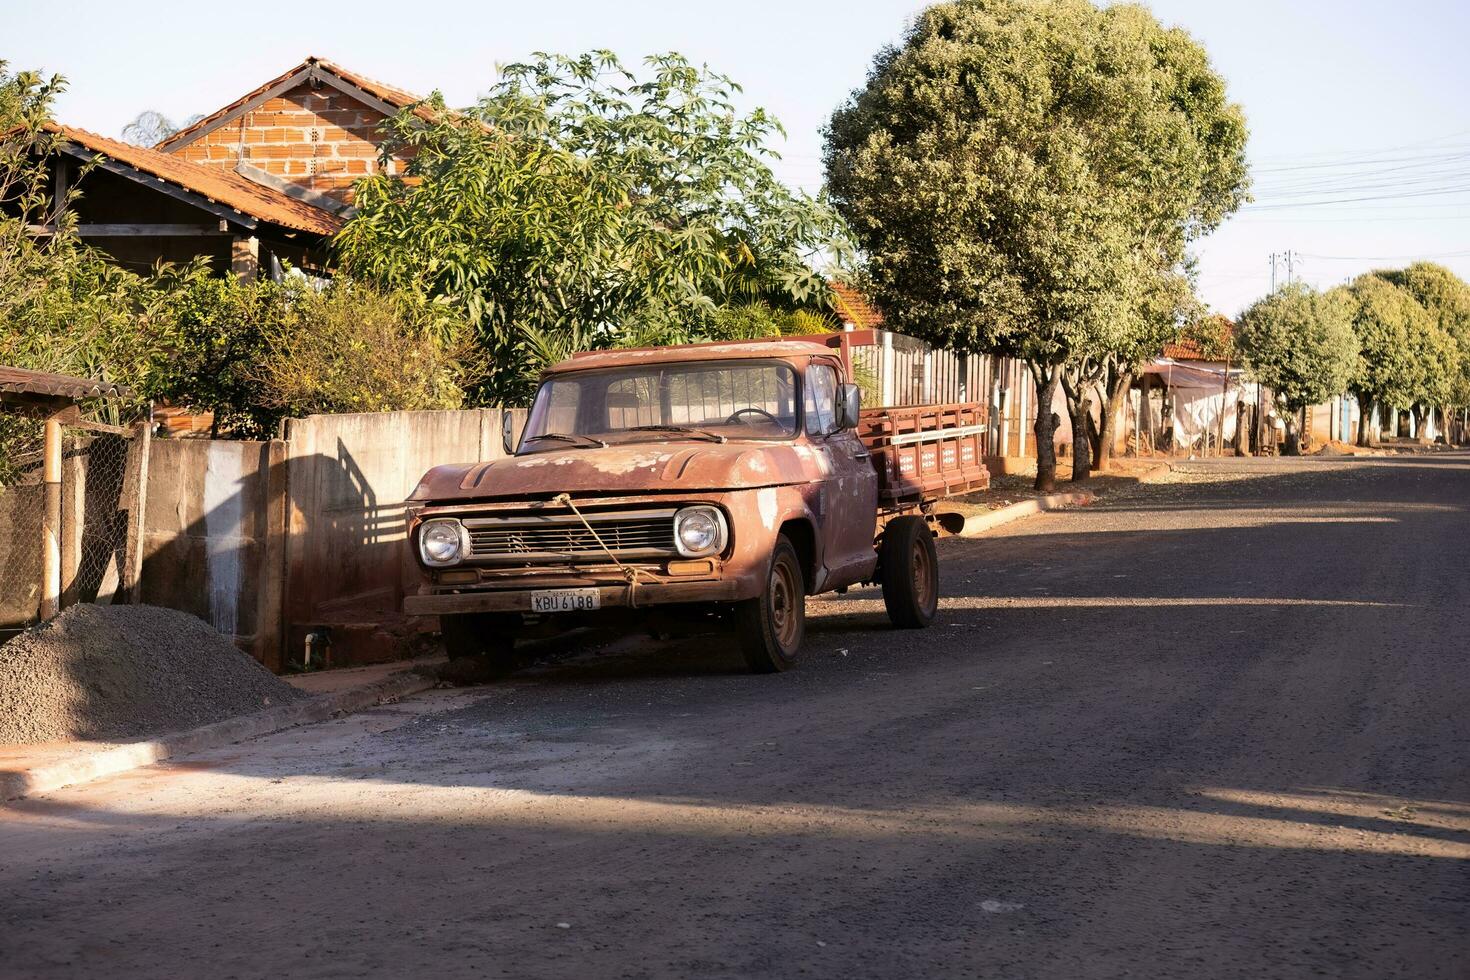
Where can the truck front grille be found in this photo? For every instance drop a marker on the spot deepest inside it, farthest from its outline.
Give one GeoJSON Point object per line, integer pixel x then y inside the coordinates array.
{"type": "Point", "coordinates": [532, 538]}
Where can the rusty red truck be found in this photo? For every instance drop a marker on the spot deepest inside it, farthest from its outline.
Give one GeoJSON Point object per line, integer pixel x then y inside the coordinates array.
{"type": "Point", "coordinates": [719, 483]}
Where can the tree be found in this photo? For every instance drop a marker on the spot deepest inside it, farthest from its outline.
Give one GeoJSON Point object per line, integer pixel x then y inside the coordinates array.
{"type": "Point", "coordinates": [1446, 299]}
{"type": "Point", "coordinates": [1024, 175]}
{"type": "Point", "coordinates": [151, 127]}
{"type": "Point", "coordinates": [63, 306]}
{"type": "Point", "coordinates": [576, 204]}
{"type": "Point", "coordinates": [1166, 301]}
{"type": "Point", "coordinates": [350, 348]}
{"type": "Point", "coordinates": [1383, 319]}
{"type": "Point", "coordinates": [1300, 344]}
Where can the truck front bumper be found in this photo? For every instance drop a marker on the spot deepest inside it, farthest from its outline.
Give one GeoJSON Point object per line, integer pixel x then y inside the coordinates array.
{"type": "Point", "coordinates": [621, 596]}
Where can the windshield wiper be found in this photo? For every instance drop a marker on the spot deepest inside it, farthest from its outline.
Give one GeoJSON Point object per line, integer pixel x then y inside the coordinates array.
{"type": "Point", "coordinates": [572, 437]}
{"type": "Point", "coordinates": [677, 428]}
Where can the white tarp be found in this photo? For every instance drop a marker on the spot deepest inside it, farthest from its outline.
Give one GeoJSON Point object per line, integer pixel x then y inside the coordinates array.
{"type": "Point", "coordinates": [1200, 394]}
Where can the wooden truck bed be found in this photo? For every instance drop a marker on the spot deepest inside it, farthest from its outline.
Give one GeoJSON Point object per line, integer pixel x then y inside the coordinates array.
{"type": "Point", "coordinates": [927, 451]}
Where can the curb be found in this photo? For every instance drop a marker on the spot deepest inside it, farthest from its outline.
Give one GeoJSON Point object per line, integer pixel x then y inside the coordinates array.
{"type": "Point", "coordinates": [114, 759]}
{"type": "Point", "coordinates": [980, 523]}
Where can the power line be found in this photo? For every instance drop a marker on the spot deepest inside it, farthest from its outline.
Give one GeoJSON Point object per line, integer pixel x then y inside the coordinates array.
{"type": "Point", "coordinates": [1352, 200]}
{"type": "Point", "coordinates": [1389, 258]}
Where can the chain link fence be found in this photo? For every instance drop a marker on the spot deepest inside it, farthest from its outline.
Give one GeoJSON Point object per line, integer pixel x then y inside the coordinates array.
{"type": "Point", "coordinates": [101, 474]}
{"type": "Point", "coordinates": [22, 511]}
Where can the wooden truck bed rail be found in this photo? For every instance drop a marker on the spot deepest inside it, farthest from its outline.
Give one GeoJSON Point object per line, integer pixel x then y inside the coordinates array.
{"type": "Point", "coordinates": [926, 451]}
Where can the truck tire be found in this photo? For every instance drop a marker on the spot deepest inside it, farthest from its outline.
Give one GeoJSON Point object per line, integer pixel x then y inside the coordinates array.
{"type": "Point", "coordinates": [771, 625]}
{"type": "Point", "coordinates": [908, 567]}
{"type": "Point", "coordinates": [481, 647]}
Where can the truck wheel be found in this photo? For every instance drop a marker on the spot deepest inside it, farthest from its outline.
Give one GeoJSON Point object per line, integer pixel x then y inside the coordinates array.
{"type": "Point", "coordinates": [772, 624]}
{"type": "Point", "coordinates": [481, 647]}
{"type": "Point", "coordinates": [908, 566]}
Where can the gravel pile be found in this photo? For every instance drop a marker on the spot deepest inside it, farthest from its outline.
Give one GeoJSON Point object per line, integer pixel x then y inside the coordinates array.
{"type": "Point", "coordinates": [124, 672]}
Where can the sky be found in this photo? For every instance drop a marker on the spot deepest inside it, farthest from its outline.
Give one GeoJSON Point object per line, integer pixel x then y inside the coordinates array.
{"type": "Point", "coordinates": [1359, 111]}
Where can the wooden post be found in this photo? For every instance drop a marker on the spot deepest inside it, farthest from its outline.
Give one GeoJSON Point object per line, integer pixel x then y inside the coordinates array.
{"type": "Point", "coordinates": [245, 258]}
{"type": "Point", "coordinates": [51, 524]}
{"type": "Point", "coordinates": [138, 512]}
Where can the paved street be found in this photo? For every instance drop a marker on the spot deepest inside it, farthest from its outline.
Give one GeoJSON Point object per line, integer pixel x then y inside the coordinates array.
{"type": "Point", "coordinates": [1213, 729]}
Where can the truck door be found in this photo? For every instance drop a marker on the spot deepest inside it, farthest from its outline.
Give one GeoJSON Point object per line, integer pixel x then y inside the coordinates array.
{"type": "Point", "coordinates": [849, 496]}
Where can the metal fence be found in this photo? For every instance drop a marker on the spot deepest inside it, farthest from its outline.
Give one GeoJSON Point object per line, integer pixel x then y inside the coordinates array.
{"type": "Point", "coordinates": [22, 510]}
{"type": "Point", "coordinates": [897, 371]}
{"type": "Point", "coordinates": [103, 469]}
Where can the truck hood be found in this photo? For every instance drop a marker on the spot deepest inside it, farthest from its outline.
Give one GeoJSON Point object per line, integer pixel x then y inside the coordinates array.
{"type": "Point", "coordinates": [627, 470]}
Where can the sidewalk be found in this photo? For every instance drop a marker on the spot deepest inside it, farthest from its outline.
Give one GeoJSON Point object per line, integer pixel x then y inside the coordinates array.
{"type": "Point", "coordinates": [39, 768]}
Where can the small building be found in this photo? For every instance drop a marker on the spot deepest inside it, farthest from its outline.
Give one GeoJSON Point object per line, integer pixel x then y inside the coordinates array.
{"type": "Point", "coordinates": [1189, 403]}
{"type": "Point", "coordinates": [143, 206]}
{"type": "Point", "coordinates": [310, 132]}
{"type": "Point", "coordinates": [260, 184]}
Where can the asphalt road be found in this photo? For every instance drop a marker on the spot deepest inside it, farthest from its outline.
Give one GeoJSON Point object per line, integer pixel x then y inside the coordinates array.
{"type": "Point", "coordinates": [1199, 730]}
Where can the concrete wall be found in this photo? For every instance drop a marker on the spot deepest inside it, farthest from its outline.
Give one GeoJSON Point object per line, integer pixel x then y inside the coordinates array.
{"type": "Point", "coordinates": [348, 476]}
{"type": "Point", "coordinates": [213, 537]}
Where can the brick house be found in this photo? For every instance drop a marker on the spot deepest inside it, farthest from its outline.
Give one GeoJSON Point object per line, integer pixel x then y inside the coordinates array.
{"type": "Point", "coordinates": [310, 132]}
{"type": "Point", "coordinates": [254, 186]}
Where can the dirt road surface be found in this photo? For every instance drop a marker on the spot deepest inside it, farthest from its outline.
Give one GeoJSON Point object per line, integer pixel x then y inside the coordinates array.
{"type": "Point", "coordinates": [1212, 729]}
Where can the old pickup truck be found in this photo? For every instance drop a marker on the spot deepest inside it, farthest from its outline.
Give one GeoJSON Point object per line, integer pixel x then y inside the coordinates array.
{"type": "Point", "coordinates": [715, 483]}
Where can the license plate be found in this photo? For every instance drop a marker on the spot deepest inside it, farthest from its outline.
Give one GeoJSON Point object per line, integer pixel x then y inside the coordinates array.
{"type": "Point", "coordinates": [565, 600]}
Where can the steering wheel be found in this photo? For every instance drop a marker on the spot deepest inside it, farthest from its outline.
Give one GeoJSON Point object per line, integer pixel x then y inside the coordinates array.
{"type": "Point", "coordinates": [735, 415]}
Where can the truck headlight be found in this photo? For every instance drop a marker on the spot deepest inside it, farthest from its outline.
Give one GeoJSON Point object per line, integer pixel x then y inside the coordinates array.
{"type": "Point", "coordinates": [442, 542]}
{"type": "Point", "coordinates": [700, 531]}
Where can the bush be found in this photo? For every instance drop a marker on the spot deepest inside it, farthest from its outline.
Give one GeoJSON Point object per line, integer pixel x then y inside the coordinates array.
{"type": "Point", "coordinates": [349, 348]}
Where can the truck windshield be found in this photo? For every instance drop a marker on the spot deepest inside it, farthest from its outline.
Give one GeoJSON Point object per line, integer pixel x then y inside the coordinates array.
{"type": "Point", "coordinates": [718, 401]}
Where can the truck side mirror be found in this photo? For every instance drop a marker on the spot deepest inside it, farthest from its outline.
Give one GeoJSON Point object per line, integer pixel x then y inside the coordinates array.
{"type": "Point", "coordinates": [849, 406]}
{"type": "Point", "coordinates": [507, 432]}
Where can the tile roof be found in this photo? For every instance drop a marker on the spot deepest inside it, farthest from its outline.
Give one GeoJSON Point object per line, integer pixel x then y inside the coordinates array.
{"type": "Point", "coordinates": [20, 381]}
{"type": "Point", "coordinates": [390, 94]}
{"type": "Point", "coordinates": [853, 307]}
{"type": "Point", "coordinates": [1186, 349]}
{"type": "Point", "coordinates": [216, 183]}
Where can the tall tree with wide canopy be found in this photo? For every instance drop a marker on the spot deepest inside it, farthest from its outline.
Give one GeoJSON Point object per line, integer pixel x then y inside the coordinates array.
{"type": "Point", "coordinates": [577, 206]}
{"type": "Point", "coordinates": [1384, 319]}
{"type": "Point", "coordinates": [1021, 174]}
{"type": "Point", "coordinates": [1446, 299]}
{"type": "Point", "coordinates": [1300, 344]}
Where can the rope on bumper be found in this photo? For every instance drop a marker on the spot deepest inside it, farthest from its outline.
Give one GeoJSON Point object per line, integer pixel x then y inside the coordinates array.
{"type": "Point", "coordinates": [629, 572]}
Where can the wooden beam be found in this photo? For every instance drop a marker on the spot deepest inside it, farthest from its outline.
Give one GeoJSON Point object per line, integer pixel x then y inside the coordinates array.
{"type": "Point", "coordinates": [347, 88]}
{"type": "Point", "coordinates": [51, 523]}
{"type": "Point", "coordinates": [148, 180]}
{"type": "Point", "coordinates": [137, 537]}
{"type": "Point", "coordinates": [316, 199]}
{"type": "Point", "coordinates": [136, 231]}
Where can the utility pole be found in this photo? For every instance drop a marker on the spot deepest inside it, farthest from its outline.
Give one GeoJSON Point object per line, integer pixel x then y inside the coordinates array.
{"type": "Point", "coordinates": [1290, 267]}
{"type": "Point", "coordinates": [1273, 272]}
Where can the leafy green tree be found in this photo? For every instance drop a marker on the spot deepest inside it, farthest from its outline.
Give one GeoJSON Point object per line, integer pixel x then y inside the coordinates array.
{"type": "Point", "coordinates": [1384, 318]}
{"type": "Point", "coordinates": [1166, 300]}
{"type": "Point", "coordinates": [577, 206]}
{"type": "Point", "coordinates": [63, 306]}
{"type": "Point", "coordinates": [1300, 344]}
{"type": "Point", "coordinates": [1023, 177]}
{"type": "Point", "coordinates": [351, 348]}
{"type": "Point", "coordinates": [1446, 299]}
